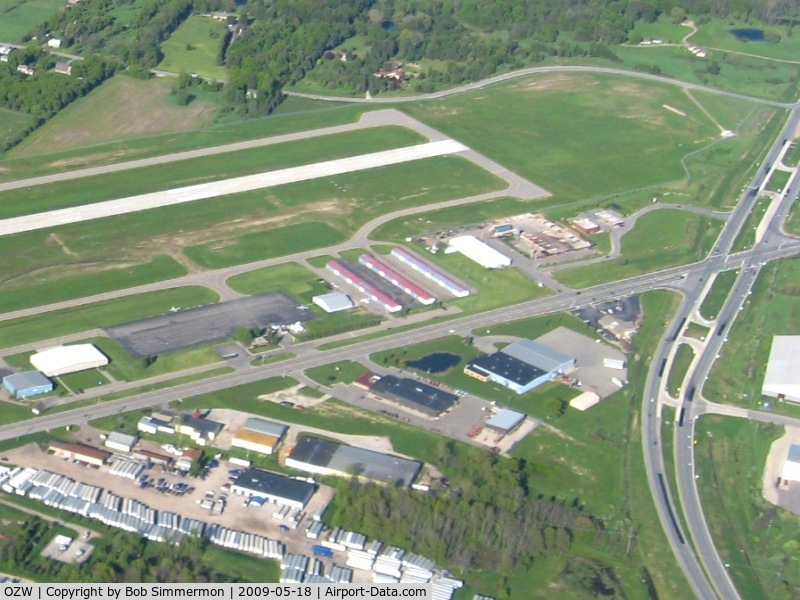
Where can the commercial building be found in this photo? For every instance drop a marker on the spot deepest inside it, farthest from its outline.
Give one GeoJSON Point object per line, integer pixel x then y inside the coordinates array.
{"type": "Point", "coordinates": [414, 394]}
{"type": "Point", "coordinates": [274, 488]}
{"type": "Point", "coordinates": [121, 441]}
{"type": "Point", "coordinates": [506, 421]}
{"type": "Point", "coordinates": [521, 366]}
{"type": "Point", "coordinates": [791, 468]}
{"type": "Point", "coordinates": [199, 429]}
{"type": "Point", "coordinates": [153, 424]}
{"type": "Point", "coordinates": [259, 435]}
{"type": "Point", "coordinates": [782, 379]}
{"type": "Point", "coordinates": [431, 272]}
{"type": "Point", "coordinates": [420, 294]}
{"type": "Point", "coordinates": [322, 457]}
{"type": "Point", "coordinates": [333, 302]}
{"type": "Point", "coordinates": [478, 251]}
{"type": "Point", "coordinates": [364, 287]}
{"type": "Point", "coordinates": [27, 384]}
{"type": "Point", "coordinates": [585, 225]}
{"type": "Point", "coordinates": [68, 359]}
{"type": "Point", "coordinates": [80, 452]}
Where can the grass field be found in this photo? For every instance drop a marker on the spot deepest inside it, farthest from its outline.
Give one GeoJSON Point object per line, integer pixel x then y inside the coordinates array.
{"type": "Point", "coordinates": [200, 170]}
{"type": "Point", "coordinates": [757, 540]}
{"type": "Point", "coordinates": [663, 29]}
{"type": "Point", "coordinates": [100, 314]}
{"type": "Point", "coordinates": [778, 181]}
{"type": "Point", "coordinates": [19, 17]}
{"type": "Point", "coordinates": [696, 331]}
{"type": "Point", "coordinates": [193, 48]}
{"type": "Point", "coordinates": [680, 365]}
{"type": "Point", "coordinates": [292, 278]}
{"type": "Point", "coordinates": [12, 123]}
{"type": "Point", "coordinates": [11, 412]}
{"type": "Point", "coordinates": [616, 129]}
{"type": "Point", "coordinates": [747, 234]}
{"type": "Point", "coordinates": [772, 309]}
{"type": "Point", "coordinates": [660, 239]}
{"type": "Point", "coordinates": [121, 108]}
{"type": "Point", "coordinates": [793, 219]}
{"type": "Point", "coordinates": [717, 294]}
{"type": "Point", "coordinates": [792, 156]}
{"type": "Point", "coordinates": [344, 371]}
{"type": "Point", "coordinates": [717, 34]}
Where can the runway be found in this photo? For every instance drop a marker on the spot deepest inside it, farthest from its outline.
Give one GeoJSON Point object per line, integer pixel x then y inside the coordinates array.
{"type": "Point", "coordinates": [227, 187]}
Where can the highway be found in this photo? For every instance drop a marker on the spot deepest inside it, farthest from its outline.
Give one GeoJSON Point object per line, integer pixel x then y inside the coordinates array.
{"type": "Point", "coordinates": [693, 546]}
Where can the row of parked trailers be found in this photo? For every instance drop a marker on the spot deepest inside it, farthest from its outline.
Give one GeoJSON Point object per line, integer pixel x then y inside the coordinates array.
{"type": "Point", "coordinates": [128, 514]}
{"type": "Point", "coordinates": [128, 469]}
{"type": "Point", "coordinates": [299, 568]}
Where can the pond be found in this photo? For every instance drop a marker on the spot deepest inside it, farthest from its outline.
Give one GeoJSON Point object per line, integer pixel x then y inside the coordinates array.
{"type": "Point", "coordinates": [435, 363]}
{"type": "Point", "coordinates": [749, 35]}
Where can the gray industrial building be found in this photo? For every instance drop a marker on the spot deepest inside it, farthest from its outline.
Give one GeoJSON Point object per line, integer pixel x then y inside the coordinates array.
{"type": "Point", "coordinates": [27, 384]}
{"type": "Point", "coordinates": [330, 458]}
{"type": "Point", "coordinates": [274, 488]}
{"type": "Point", "coordinates": [414, 394]}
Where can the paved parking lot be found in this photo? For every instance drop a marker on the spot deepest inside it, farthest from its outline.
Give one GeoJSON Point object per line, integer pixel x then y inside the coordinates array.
{"type": "Point", "coordinates": [213, 322]}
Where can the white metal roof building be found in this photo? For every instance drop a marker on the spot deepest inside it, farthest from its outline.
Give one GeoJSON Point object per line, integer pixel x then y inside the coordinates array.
{"type": "Point", "coordinates": [782, 379]}
{"type": "Point", "coordinates": [791, 468]}
{"type": "Point", "coordinates": [121, 441]}
{"type": "Point", "coordinates": [431, 272]}
{"type": "Point", "coordinates": [478, 251]}
{"type": "Point", "coordinates": [333, 302]}
{"type": "Point", "coordinates": [541, 356]}
{"type": "Point", "coordinates": [506, 421]}
{"type": "Point", "coordinates": [68, 359]}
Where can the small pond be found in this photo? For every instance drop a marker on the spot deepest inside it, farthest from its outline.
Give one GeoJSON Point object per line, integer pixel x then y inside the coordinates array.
{"type": "Point", "coordinates": [435, 363]}
{"type": "Point", "coordinates": [749, 35]}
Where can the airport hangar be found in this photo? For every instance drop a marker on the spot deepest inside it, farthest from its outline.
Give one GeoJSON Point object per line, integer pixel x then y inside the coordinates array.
{"type": "Point", "coordinates": [27, 384]}
{"type": "Point", "coordinates": [520, 366]}
{"type": "Point", "coordinates": [782, 380]}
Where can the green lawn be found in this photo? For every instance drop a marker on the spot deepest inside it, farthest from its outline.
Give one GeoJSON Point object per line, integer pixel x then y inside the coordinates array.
{"type": "Point", "coordinates": [292, 278]}
{"type": "Point", "coordinates": [12, 124]}
{"type": "Point", "coordinates": [193, 48]}
{"type": "Point", "coordinates": [717, 295]}
{"type": "Point", "coordinates": [344, 371]}
{"type": "Point", "coordinates": [29, 292]}
{"type": "Point", "coordinates": [100, 314]}
{"type": "Point", "coordinates": [757, 541]}
{"type": "Point", "coordinates": [18, 18]}
{"type": "Point", "coordinates": [194, 171]}
{"type": "Point", "coordinates": [793, 220]}
{"type": "Point", "coordinates": [660, 239]}
{"type": "Point", "coordinates": [792, 156]}
{"type": "Point", "coordinates": [11, 412]}
{"type": "Point", "coordinates": [778, 180]}
{"type": "Point", "coordinates": [717, 33]}
{"type": "Point", "coordinates": [83, 380]}
{"type": "Point", "coordinates": [772, 309]}
{"type": "Point", "coordinates": [696, 331]}
{"type": "Point", "coordinates": [577, 135]}
{"type": "Point", "coordinates": [663, 29]}
{"type": "Point", "coordinates": [680, 365]}
{"type": "Point", "coordinates": [747, 234]}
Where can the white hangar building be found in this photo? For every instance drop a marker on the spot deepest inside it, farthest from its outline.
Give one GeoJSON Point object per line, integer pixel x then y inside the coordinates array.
{"type": "Point", "coordinates": [62, 360]}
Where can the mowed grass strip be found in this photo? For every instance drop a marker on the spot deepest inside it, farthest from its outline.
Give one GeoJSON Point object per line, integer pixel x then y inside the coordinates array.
{"type": "Point", "coordinates": [18, 18]}
{"type": "Point", "coordinates": [122, 184]}
{"type": "Point", "coordinates": [792, 156]}
{"type": "Point", "coordinates": [28, 294]}
{"type": "Point", "coordinates": [747, 234]}
{"type": "Point", "coordinates": [680, 365]}
{"type": "Point", "coordinates": [193, 48]}
{"type": "Point", "coordinates": [660, 239]}
{"type": "Point", "coordinates": [577, 135]}
{"type": "Point", "coordinates": [68, 321]}
{"type": "Point", "coordinates": [717, 295]}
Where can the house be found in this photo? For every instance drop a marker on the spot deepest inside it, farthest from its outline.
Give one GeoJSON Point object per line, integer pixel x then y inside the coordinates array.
{"type": "Point", "coordinates": [54, 43]}
{"type": "Point", "coordinates": [25, 70]}
{"type": "Point", "coordinates": [63, 67]}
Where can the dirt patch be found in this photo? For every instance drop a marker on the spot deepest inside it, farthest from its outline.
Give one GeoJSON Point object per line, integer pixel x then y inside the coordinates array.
{"type": "Point", "coordinates": [54, 237]}
{"type": "Point", "coordinates": [557, 84]}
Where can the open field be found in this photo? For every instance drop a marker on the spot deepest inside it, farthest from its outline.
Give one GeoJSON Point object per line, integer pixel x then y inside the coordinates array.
{"type": "Point", "coordinates": [194, 171]}
{"type": "Point", "coordinates": [717, 295]}
{"type": "Point", "coordinates": [661, 239]}
{"type": "Point", "coordinates": [717, 34]}
{"type": "Point", "coordinates": [193, 48]}
{"type": "Point", "coordinates": [757, 540]}
{"type": "Point", "coordinates": [747, 234]}
{"type": "Point", "coordinates": [11, 124]}
{"type": "Point", "coordinates": [586, 135]}
{"type": "Point", "coordinates": [662, 29]}
{"type": "Point", "coordinates": [344, 371]}
{"type": "Point", "coordinates": [292, 278]}
{"type": "Point", "coordinates": [680, 365]}
{"type": "Point", "coordinates": [18, 18]}
{"type": "Point", "coordinates": [100, 314]}
{"type": "Point", "coordinates": [772, 309]}
{"type": "Point", "coordinates": [13, 411]}
{"type": "Point", "coordinates": [120, 108]}
{"type": "Point", "coordinates": [36, 287]}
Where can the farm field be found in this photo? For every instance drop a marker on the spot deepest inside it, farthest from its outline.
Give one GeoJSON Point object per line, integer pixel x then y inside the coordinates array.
{"type": "Point", "coordinates": [121, 108]}
{"type": "Point", "coordinates": [193, 48]}
{"type": "Point", "coordinates": [24, 330]}
{"type": "Point", "coordinates": [757, 539]}
{"type": "Point", "coordinates": [616, 129]}
{"type": "Point", "coordinates": [98, 188]}
{"type": "Point", "coordinates": [660, 239]}
{"type": "Point", "coordinates": [770, 310]}
{"type": "Point", "coordinates": [18, 18]}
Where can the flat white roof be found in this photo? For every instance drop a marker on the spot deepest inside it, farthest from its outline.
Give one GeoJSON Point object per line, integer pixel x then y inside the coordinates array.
{"type": "Point", "coordinates": [333, 302]}
{"type": "Point", "coordinates": [506, 419]}
{"type": "Point", "coordinates": [480, 252]}
{"type": "Point", "coordinates": [782, 377]}
{"type": "Point", "coordinates": [68, 359]}
{"type": "Point", "coordinates": [585, 401]}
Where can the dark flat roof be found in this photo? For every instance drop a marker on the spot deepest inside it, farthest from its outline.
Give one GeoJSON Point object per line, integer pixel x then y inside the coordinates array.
{"type": "Point", "coordinates": [273, 484]}
{"type": "Point", "coordinates": [507, 367]}
{"type": "Point", "coordinates": [414, 394]}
